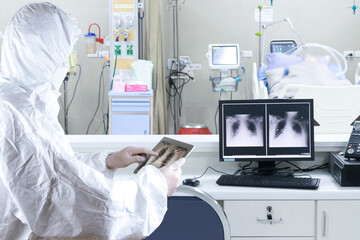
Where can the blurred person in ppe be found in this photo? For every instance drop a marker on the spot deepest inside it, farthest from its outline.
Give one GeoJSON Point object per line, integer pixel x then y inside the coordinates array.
{"type": "Point", "coordinates": [47, 191]}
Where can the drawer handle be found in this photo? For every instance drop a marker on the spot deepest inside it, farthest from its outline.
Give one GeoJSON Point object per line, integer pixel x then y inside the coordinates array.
{"type": "Point", "coordinates": [271, 221]}
{"type": "Point", "coordinates": [324, 224]}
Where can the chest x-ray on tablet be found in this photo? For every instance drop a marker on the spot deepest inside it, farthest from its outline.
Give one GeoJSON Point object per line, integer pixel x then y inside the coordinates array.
{"type": "Point", "coordinates": [169, 150]}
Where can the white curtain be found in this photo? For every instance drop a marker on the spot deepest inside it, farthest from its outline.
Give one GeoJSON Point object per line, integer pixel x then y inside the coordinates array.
{"type": "Point", "coordinates": [153, 43]}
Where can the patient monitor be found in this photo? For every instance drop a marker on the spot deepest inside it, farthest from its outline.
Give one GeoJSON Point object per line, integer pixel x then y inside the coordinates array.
{"type": "Point", "coordinates": [223, 56]}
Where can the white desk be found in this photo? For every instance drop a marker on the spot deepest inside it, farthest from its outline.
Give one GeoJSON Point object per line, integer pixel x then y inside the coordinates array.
{"type": "Point", "coordinates": [330, 212]}
{"type": "Point", "coordinates": [328, 190]}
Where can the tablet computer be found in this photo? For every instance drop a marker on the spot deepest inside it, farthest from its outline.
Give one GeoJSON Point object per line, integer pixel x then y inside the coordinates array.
{"type": "Point", "coordinates": [169, 150]}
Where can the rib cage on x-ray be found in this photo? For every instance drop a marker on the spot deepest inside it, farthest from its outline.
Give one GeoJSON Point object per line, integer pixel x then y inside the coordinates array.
{"type": "Point", "coordinates": [167, 153]}
{"type": "Point", "coordinates": [244, 130]}
{"type": "Point", "coordinates": [289, 129]}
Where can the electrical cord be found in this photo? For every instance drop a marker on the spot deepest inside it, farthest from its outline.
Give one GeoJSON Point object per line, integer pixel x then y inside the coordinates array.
{"type": "Point", "coordinates": [215, 170]}
{"type": "Point", "coordinates": [76, 85]}
{"type": "Point", "coordinates": [112, 79]}
{"type": "Point", "coordinates": [174, 91]}
{"type": "Point", "coordinates": [209, 167]}
{"type": "Point", "coordinates": [99, 97]}
{"type": "Point", "coordinates": [243, 168]}
{"type": "Point", "coordinates": [309, 169]}
{"type": "Point", "coordinates": [246, 169]}
{"type": "Point", "coordinates": [217, 110]}
{"type": "Point", "coordinates": [284, 170]}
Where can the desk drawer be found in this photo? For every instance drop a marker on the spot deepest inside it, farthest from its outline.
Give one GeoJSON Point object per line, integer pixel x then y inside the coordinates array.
{"type": "Point", "coordinates": [130, 104]}
{"type": "Point", "coordinates": [289, 218]}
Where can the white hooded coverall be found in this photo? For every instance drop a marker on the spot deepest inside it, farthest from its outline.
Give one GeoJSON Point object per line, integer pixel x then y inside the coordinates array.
{"type": "Point", "coordinates": [46, 190]}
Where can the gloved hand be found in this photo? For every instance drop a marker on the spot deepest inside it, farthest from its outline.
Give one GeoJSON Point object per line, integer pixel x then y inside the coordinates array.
{"type": "Point", "coordinates": [127, 156]}
{"type": "Point", "coordinates": [172, 174]}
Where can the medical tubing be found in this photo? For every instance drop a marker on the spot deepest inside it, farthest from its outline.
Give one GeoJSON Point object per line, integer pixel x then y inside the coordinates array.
{"type": "Point", "coordinates": [112, 79]}
{"type": "Point", "coordinates": [331, 51]}
{"type": "Point", "coordinates": [97, 26]}
{"type": "Point", "coordinates": [107, 119]}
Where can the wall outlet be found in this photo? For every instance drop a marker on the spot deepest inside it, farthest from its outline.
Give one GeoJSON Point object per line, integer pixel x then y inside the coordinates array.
{"type": "Point", "coordinates": [246, 53]}
{"type": "Point", "coordinates": [195, 66]}
{"type": "Point", "coordinates": [348, 54]}
{"type": "Point", "coordinates": [357, 53]}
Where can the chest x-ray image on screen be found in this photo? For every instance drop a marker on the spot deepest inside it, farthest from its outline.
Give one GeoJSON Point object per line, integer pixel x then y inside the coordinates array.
{"type": "Point", "coordinates": [244, 130]}
{"type": "Point", "coordinates": [288, 128]}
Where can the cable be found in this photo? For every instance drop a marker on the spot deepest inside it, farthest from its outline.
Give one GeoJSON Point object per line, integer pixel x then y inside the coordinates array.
{"type": "Point", "coordinates": [243, 168]}
{"type": "Point", "coordinates": [76, 85]}
{"type": "Point", "coordinates": [174, 91]}
{"type": "Point", "coordinates": [209, 167]}
{"type": "Point", "coordinates": [112, 79]}
{"type": "Point", "coordinates": [217, 110]}
{"type": "Point", "coordinates": [99, 97]}
{"type": "Point", "coordinates": [309, 169]}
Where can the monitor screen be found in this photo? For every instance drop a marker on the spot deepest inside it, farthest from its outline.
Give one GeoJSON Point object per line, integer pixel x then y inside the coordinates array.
{"type": "Point", "coordinates": [282, 46]}
{"type": "Point", "coordinates": [266, 130]}
{"type": "Point", "coordinates": [224, 56]}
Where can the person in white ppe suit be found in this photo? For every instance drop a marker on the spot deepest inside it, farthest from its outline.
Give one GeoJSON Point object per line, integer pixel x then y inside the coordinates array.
{"type": "Point", "coordinates": [46, 190]}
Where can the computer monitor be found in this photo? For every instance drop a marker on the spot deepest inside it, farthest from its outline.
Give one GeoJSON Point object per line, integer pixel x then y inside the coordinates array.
{"type": "Point", "coordinates": [224, 56]}
{"type": "Point", "coordinates": [266, 131]}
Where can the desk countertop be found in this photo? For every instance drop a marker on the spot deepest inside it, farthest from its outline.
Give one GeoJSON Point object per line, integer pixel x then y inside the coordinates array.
{"type": "Point", "coordinates": [328, 189]}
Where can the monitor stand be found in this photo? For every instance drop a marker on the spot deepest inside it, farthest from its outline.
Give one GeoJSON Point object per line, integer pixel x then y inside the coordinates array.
{"type": "Point", "coordinates": [268, 168]}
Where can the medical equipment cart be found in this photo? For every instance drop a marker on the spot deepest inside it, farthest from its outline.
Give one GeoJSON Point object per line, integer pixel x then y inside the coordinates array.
{"type": "Point", "coordinates": [130, 113]}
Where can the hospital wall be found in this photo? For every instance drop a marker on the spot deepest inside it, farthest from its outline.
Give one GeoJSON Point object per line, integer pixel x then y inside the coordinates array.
{"type": "Point", "coordinates": [202, 22]}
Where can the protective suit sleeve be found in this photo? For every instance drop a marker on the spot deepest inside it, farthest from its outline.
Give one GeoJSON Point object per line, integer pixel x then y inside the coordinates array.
{"type": "Point", "coordinates": [60, 196]}
{"type": "Point", "coordinates": [96, 160]}
{"type": "Point", "coordinates": [148, 188]}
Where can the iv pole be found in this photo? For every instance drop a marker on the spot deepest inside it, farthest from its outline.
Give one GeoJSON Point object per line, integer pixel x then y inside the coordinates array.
{"type": "Point", "coordinates": [176, 103]}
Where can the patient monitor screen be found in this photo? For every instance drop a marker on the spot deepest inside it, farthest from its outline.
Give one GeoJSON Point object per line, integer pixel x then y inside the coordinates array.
{"type": "Point", "coordinates": [225, 55]}
{"type": "Point", "coordinates": [275, 129]}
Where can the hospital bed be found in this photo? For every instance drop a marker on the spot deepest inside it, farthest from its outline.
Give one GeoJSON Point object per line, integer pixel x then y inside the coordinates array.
{"type": "Point", "coordinates": [335, 107]}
